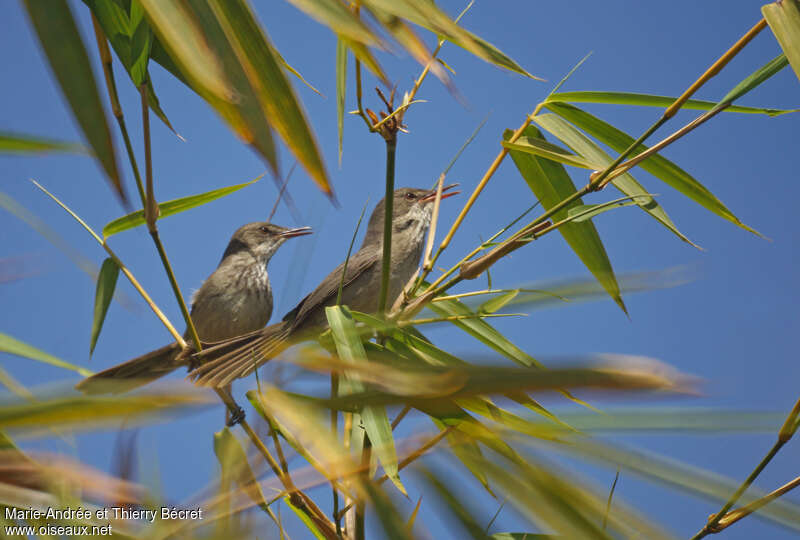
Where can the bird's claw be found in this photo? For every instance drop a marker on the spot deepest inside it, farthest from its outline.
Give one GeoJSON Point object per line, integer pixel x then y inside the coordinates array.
{"type": "Point", "coordinates": [235, 417]}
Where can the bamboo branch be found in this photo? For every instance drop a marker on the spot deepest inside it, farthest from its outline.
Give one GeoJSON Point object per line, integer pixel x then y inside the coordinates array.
{"type": "Point", "coordinates": [788, 429]}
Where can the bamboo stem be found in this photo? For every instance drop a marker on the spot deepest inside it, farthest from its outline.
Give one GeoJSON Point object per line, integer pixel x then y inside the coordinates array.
{"type": "Point", "coordinates": [111, 86]}
{"type": "Point", "coordinates": [386, 262]}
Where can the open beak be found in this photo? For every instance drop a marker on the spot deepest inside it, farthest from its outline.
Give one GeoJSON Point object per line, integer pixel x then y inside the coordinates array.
{"type": "Point", "coordinates": [431, 196]}
{"type": "Point", "coordinates": [299, 231]}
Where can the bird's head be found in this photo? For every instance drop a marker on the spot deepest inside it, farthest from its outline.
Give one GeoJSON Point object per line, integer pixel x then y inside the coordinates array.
{"type": "Point", "coordinates": [261, 239]}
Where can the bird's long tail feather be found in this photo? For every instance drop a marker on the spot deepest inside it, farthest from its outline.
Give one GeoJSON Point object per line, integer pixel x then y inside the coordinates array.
{"type": "Point", "coordinates": [239, 357]}
{"type": "Point", "coordinates": [133, 373]}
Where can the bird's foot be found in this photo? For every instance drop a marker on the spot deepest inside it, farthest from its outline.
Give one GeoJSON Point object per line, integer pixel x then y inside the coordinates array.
{"type": "Point", "coordinates": [235, 417]}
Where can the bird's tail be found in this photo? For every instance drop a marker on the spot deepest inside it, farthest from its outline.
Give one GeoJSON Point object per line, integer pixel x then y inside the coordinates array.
{"type": "Point", "coordinates": [238, 357]}
{"type": "Point", "coordinates": [133, 373]}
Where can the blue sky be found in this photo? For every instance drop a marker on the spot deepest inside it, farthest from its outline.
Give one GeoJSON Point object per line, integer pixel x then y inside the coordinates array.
{"type": "Point", "coordinates": [734, 326]}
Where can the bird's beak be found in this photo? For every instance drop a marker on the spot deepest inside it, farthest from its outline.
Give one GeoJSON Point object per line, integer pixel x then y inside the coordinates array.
{"type": "Point", "coordinates": [431, 196]}
{"type": "Point", "coordinates": [299, 231]}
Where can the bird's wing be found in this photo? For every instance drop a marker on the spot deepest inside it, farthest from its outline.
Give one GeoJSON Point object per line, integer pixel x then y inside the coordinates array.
{"type": "Point", "coordinates": [360, 262]}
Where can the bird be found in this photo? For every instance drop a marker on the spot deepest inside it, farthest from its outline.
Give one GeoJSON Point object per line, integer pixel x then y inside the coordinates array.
{"type": "Point", "coordinates": [234, 300]}
{"type": "Point", "coordinates": [412, 210]}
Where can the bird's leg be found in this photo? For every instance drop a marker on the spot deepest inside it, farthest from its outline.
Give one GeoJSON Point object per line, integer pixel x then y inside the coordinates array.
{"type": "Point", "coordinates": [233, 412]}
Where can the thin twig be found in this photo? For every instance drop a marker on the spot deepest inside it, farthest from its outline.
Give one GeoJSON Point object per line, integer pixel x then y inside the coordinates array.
{"type": "Point", "coordinates": [280, 192]}
{"type": "Point", "coordinates": [788, 429]}
{"type": "Point", "coordinates": [735, 515]}
{"type": "Point", "coordinates": [402, 414]}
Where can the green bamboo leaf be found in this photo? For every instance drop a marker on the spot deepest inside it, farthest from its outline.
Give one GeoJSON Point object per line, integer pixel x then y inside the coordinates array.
{"type": "Point", "coordinates": [649, 100]}
{"type": "Point", "coordinates": [236, 467]}
{"type": "Point", "coordinates": [87, 413]}
{"type": "Point", "coordinates": [246, 114]}
{"type": "Point", "coordinates": [132, 39]}
{"type": "Point", "coordinates": [553, 499]}
{"type": "Point", "coordinates": [497, 303]}
{"type": "Point", "coordinates": [169, 208]}
{"type": "Point", "coordinates": [62, 44]}
{"type": "Point", "coordinates": [756, 78]}
{"type": "Point", "coordinates": [542, 148]}
{"type": "Point", "coordinates": [454, 505]}
{"type": "Point", "coordinates": [669, 471]}
{"type": "Point", "coordinates": [263, 68]}
{"type": "Point", "coordinates": [551, 184]}
{"type": "Point", "coordinates": [523, 536]}
{"type": "Point", "coordinates": [656, 165]}
{"type": "Point", "coordinates": [302, 425]}
{"type": "Point", "coordinates": [106, 283]}
{"type": "Point", "coordinates": [307, 521]}
{"type": "Point", "coordinates": [18, 348]}
{"type": "Point", "coordinates": [482, 331]}
{"type": "Point", "coordinates": [586, 212]}
{"type": "Point", "coordinates": [783, 19]}
{"type": "Point", "coordinates": [185, 41]}
{"type": "Point", "coordinates": [376, 422]}
{"type": "Point", "coordinates": [341, 87]}
{"type": "Point", "coordinates": [17, 143]}
{"type": "Point", "coordinates": [296, 73]}
{"type": "Point", "coordinates": [363, 54]}
{"type": "Point", "coordinates": [626, 183]}
{"type": "Point", "coordinates": [481, 380]}
{"type": "Point", "coordinates": [339, 19]}
{"type": "Point", "coordinates": [392, 521]}
{"type": "Point", "coordinates": [427, 15]}
{"type": "Point", "coordinates": [655, 420]}
{"type": "Point", "coordinates": [467, 451]}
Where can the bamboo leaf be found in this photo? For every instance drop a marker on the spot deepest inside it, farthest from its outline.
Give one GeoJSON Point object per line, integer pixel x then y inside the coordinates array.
{"type": "Point", "coordinates": [497, 303]}
{"type": "Point", "coordinates": [482, 380]}
{"type": "Point", "coordinates": [376, 422]}
{"type": "Point", "coordinates": [454, 504]}
{"type": "Point", "coordinates": [172, 207]}
{"type": "Point", "coordinates": [649, 100]}
{"type": "Point", "coordinates": [17, 143]}
{"type": "Point", "coordinates": [84, 412]}
{"type": "Point", "coordinates": [18, 348]}
{"type": "Point", "coordinates": [551, 184]}
{"type": "Point", "coordinates": [586, 212]}
{"type": "Point", "coordinates": [185, 40]}
{"type": "Point", "coordinates": [669, 471]}
{"type": "Point", "coordinates": [656, 165]}
{"type": "Point", "coordinates": [626, 183]}
{"type": "Point", "coordinates": [783, 19]}
{"type": "Point", "coordinates": [62, 44]}
{"type": "Point", "coordinates": [542, 148]}
{"type": "Point", "coordinates": [264, 71]}
{"type": "Point", "coordinates": [482, 331]}
{"type": "Point", "coordinates": [341, 86]}
{"type": "Point", "coordinates": [307, 521]}
{"type": "Point", "coordinates": [339, 19]}
{"type": "Point", "coordinates": [426, 14]}
{"type": "Point", "coordinates": [756, 78]}
{"type": "Point", "coordinates": [106, 283]}
{"type": "Point", "coordinates": [236, 467]}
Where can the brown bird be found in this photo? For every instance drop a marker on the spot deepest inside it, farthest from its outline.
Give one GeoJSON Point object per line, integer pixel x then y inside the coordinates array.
{"type": "Point", "coordinates": [411, 215]}
{"type": "Point", "coordinates": [234, 300]}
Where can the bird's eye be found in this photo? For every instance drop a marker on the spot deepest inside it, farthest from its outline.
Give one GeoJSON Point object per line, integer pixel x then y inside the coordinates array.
{"type": "Point", "coordinates": [410, 196]}
{"type": "Point", "coordinates": [264, 230]}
